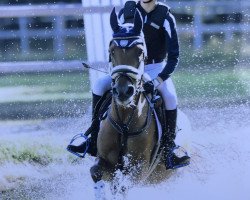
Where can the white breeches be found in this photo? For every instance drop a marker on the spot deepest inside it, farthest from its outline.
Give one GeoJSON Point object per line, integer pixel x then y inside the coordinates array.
{"type": "Point", "coordinates": [166, 89]}
{"type": "Point", "coordinates": [102, 85]}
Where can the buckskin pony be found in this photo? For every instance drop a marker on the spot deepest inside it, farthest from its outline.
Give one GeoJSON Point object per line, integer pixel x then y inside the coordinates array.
{"type": "Point", "coordinates": [129, 137]}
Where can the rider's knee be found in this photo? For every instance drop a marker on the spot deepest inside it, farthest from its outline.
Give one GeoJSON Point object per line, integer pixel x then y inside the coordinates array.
{"type": "Point", "coordinates": [171, 102]}
{"type": "Point", "coordinates": [169, 96]}
{"type": "Point", "coordinates": [102, 85]}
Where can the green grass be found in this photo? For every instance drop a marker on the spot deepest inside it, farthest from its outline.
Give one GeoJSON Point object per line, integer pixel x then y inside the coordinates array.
{"type": "Point", "coordinates": [44, 86]}
{"type": "Point", "coordinates": [68, 81]}
{"type": "Point", "coordinates": [212, 88]}
{"type": "Point", "coordinates": [193, 87]}
{"type": "Point", "coordinates": [217, 84]}
{"type": "Point", "coordinates": [68, 93]}
{"type": "Point", "coordinates": [215, 53]}
{"type": "Point", "coordinates": [69, 86]}
{"type": "Point", "coordinates": [36, 150]}
{"type": "Point", "coordinates": [44, 95]}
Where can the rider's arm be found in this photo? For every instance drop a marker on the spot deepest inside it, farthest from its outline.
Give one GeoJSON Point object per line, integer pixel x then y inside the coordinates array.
{"type": "Point", "coordinates": [173, 46]}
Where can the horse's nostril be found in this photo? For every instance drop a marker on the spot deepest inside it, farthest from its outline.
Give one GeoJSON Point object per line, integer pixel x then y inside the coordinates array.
{"type": "Point", "coordinates": [130, 91]}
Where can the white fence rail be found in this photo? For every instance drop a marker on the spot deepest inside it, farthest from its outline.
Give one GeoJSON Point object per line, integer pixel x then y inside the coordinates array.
{"type": "Point", "coordinates": [57, 33]}
{"type": "Point", "coordinates": [96, 20]}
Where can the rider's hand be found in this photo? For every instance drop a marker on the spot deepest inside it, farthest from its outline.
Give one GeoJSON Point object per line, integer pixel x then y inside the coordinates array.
{"type": "Point", "coordinates": [150, 86]}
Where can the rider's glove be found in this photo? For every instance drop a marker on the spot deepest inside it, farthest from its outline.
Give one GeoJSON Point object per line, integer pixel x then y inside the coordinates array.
{"type": "Point", "coordinates": [150, 86]}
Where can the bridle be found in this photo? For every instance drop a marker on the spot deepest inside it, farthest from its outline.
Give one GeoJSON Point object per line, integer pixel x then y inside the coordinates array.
{"type": "Point", "coordinates": [132, 73]}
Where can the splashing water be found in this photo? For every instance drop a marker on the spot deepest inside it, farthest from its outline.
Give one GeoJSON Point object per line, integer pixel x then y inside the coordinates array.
{"type": "Point", "coordinates": [219, 169]}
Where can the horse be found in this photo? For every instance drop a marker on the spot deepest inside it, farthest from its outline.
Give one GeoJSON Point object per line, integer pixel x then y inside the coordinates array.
{"type": "Point", "coordinates": [128, 140]}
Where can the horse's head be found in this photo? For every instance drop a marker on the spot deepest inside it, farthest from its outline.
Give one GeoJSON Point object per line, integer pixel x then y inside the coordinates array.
{"type": "Point", "coordinates": [127, 52]}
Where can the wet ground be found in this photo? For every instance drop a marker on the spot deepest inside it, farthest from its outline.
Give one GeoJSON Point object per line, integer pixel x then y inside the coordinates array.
{"type": "Point", "coordinates": [219, 146]}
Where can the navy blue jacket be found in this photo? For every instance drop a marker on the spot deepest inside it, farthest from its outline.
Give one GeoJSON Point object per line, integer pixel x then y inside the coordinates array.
{"type": "Point", "coordinates": [160, 35]}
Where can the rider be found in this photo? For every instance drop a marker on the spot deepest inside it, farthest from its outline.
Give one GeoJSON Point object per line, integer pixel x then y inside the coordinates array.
{"type": "Point", "coordinates": [161, 40]}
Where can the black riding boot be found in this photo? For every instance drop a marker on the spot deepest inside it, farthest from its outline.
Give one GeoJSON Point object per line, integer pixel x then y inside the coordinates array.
{"type": "Point", "coordinates": [172, 161]}
{"type": "Point", "coordinates": [93, 130]}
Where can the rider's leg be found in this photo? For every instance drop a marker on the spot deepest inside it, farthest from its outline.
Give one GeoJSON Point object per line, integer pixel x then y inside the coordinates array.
{"type": "Point", "coordinates": [93, 129]}
{"type": "Point", "coordinates": [167, 90]}
{"type": "Point", "coordinates": [100, 87]}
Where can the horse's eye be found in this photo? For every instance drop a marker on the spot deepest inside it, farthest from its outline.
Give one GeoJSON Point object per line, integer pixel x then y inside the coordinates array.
{"type": "Point", "coordinates": [111, 52]}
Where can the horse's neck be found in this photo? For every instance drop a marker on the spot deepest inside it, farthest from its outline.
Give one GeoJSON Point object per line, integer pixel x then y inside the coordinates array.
{"type": "Point", "coordinates": [139, 113]}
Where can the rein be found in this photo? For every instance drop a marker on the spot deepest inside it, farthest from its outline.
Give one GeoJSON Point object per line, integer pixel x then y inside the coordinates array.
{"type": "Point", "coordinates": [123, 129]}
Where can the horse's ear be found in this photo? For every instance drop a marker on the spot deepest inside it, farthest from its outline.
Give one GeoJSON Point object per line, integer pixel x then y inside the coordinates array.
{"type": "Point", "coordinates": [138, 22]}
{"type": "Point", "coordinates": [114, 21]}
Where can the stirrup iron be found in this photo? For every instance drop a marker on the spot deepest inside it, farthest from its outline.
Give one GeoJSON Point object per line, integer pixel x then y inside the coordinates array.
{"type": "Point", "coordinates": [170, 156]}
{"type": "Point", "coordinates": [80, 135]}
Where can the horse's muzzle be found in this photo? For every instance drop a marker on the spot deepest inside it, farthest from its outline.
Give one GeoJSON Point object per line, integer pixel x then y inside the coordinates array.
{"type": "Point", "coordinates": [123, 93]}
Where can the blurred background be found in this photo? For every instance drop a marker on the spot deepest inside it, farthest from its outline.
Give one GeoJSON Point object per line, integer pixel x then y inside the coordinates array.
{"type": "Point", "coordinates": [45, 91]}
{"type": "Point", "coordinates": [42, 45]}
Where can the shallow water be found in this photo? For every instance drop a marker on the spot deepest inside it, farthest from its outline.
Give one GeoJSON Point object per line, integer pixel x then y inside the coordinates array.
{"type": "Point", "coordinates": [219, 145]}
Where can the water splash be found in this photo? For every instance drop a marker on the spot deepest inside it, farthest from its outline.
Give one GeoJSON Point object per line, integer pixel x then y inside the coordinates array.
{"type": "Point", "coordinates": [219, 167]}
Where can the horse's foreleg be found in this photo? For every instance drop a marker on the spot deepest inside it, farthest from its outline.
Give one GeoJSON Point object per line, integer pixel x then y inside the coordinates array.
{"type": "Point", "coordinates": [99, 190]}
{"type": "Point", "coordinates": [96, 173]}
